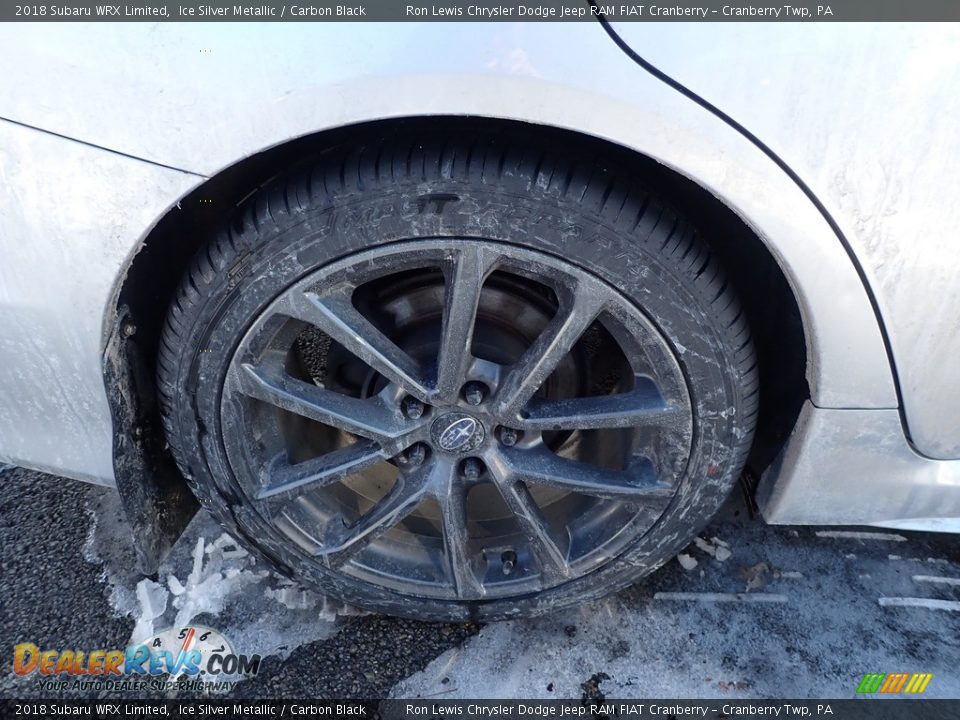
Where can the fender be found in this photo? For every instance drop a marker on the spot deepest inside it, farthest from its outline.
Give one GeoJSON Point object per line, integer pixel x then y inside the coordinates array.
{"type": "Point", "coordinates": [175, 123]}
{"type": "Point", "coordinates": [853, 117]}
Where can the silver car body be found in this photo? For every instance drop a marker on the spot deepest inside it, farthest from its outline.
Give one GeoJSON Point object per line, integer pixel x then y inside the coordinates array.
{"type": "Point", "coordinates": [105, 128]}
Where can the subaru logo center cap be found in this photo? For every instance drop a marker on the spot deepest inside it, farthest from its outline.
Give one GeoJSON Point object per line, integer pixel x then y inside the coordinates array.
{"type": "Point", "coordinates": [457, 432]}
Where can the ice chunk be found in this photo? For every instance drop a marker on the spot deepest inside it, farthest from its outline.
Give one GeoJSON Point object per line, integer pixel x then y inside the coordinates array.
{"type": "Point", "coordinates": [153, 602]}
{"type": "Point", "coordinates": [705, 545]}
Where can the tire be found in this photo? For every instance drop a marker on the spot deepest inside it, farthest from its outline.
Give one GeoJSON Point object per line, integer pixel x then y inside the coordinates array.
{"type": "Point", "coordinates": [560, 219]}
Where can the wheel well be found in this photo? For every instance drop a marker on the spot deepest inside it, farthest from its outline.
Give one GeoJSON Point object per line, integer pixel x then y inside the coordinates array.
{"type": "Point", "coordinates": [157, 269]}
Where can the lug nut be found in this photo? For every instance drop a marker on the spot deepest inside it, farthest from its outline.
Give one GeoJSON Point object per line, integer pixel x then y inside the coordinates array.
{"type": "Point", "coordinates": [509, 436]}
{"type": "Point", "coordinates": [414, 455]}
{"type": "Point", "coordinates": [474, 393]}
{"type": "Point", "coordinates": [509, 561]}
{"type": "Point", "coordinates": [412, 408]}
{"type": "Point", "coordinates": [472, 468]}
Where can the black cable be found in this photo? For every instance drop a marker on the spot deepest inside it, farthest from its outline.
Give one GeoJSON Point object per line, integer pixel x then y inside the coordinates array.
{"type": "Point", "coordinates": [710, 107]}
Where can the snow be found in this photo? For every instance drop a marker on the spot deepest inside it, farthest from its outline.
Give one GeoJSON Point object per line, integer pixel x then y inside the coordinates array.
{"type": "Point", "coordinates": [715, 548]}
{"type": "Point", "coordinates": [153, 602]}
{"type": "Point", "coordinates": [722, 597]}
{"type": "Point", "coordinates": [208, 579]}
{"type": "Point", "coordinates": [936, 580]}
{"type": "Point", "coordinates": [212, 582]}
{"type": "Point", "coordinates": [705, 546]}
{"type": "Point", "coordinates": [857, 535]}
{"type": "Point", "coordinates": [914, 602]}
{"type": "Point", "coordinates": [699, 634]}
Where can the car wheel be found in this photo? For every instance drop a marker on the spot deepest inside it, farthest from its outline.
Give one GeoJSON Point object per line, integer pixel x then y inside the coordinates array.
{"type": "Point", "coordinates": [459, 378]}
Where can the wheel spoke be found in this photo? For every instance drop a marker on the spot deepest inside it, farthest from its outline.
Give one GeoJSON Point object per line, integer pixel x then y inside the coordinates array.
{"type": "Point", "coordinates": [286, 481]}
{"type": "Point", "coordinates": [464, 281]}
{"type": "Point", "coordinates": [453, 512]}
{"type": "Point", "coordinates": [571, 512]}
{"type": "Point", "coordinates": [641, 406]}
{"type": "Point", "coordinates": [543, 467]}
{"type": "Point", "coordinates": [342, 541]}
{"type": "Point", "coordinates": [554, 567]}
{"type": "Point", "coordinates": [369, 418]}
{"type": "Point", "coordinates": [337, 317]}
{"type": "Point", "coordinates": [554, 343]}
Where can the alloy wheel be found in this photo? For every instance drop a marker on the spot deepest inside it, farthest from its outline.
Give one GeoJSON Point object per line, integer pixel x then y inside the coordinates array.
{"type": "Point", "coordinates": [456, 419]}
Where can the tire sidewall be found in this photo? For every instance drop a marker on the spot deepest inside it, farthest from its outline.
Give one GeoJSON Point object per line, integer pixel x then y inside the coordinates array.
{"type": "Point", "coordinates": [288, 244]}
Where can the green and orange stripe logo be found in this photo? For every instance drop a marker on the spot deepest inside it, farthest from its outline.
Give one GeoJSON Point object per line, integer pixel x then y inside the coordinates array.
{"type": "Point", "coordinates": [893, 683]}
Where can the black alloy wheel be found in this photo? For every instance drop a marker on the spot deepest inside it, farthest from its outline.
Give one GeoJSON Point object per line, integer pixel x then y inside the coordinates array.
{"type": "Point", "coordinates": [420, 392]}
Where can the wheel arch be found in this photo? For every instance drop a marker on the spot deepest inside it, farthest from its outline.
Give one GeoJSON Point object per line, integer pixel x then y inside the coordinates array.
{"type": "Point", "coordinates": [154, 494]}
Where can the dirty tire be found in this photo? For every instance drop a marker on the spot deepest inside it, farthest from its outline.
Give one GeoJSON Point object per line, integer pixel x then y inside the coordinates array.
{"type": "Point", "coordinates": [511, 193]}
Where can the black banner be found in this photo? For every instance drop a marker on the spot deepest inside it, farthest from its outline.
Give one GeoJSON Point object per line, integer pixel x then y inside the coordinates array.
{"type": "Point", "coordinates": [482, 11]}
{"type": "Point", "coordinates": [445, 709]}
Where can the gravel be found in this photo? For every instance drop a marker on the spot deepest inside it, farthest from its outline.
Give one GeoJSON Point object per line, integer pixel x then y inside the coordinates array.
{"type": "Point", "coordinates": [52, 597]}
{"type": "Point", "coordinates": [59, 595]}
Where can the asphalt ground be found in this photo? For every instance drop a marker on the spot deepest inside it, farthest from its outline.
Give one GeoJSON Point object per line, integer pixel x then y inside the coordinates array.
{"type": "Point", "coordinates": [752, 611]}
{"type": "Point", "coordinates": [58, 594]}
